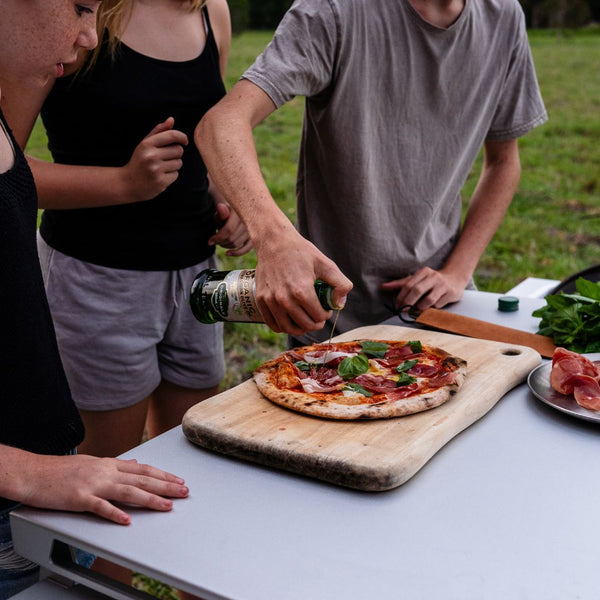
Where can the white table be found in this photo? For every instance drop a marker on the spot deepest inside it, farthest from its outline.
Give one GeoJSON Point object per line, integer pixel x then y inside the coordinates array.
{"type": "Point", "coordinates": [507, 510]}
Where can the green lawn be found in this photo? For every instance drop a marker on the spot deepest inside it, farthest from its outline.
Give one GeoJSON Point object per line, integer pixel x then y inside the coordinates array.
{"type": "Point", "coordinates": [553, 226]}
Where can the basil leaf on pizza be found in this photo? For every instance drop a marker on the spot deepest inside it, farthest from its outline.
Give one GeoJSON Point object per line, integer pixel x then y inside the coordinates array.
{"type": "Point", "coordinates": [354, 387]}
{"type": "Point", "coordinates": [405, 366]}
{"type": "Point", "coordinates": [375, 349]}
{"type": "Point", "coordinates": [362, 379]}
{"type": "Point", "coordinates": [351, 366]}
{"type": "Point", "coordinates": [302, 365]}
{"type": "Point", "coordinates": [416, 346]}
{"type": "Point", "coordinates": [405, 379]}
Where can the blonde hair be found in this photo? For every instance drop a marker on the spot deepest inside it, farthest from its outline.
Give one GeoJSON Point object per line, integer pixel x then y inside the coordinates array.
{"type": "Point", "coordinates": [113, 16]}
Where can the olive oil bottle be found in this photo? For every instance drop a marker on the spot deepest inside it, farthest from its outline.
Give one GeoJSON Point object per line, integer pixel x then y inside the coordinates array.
{"type": "Point", "coordinates": [230, 296]}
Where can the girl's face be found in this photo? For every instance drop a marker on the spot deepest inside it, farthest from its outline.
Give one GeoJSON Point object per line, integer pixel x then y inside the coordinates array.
{"type": "Point", "coordinates": [40, 36]}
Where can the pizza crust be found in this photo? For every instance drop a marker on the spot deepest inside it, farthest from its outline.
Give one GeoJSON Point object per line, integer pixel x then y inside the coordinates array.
{"type": "Point", "coordinates": [343, 407]}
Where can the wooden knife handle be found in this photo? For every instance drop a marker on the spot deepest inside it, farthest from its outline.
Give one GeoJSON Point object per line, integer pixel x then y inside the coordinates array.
{"type": "Point", "coordinates": [467, 326]}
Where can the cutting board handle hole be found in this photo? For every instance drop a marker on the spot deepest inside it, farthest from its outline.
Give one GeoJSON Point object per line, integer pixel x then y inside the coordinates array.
{"type": "Point", "coordinates": [511, 352]}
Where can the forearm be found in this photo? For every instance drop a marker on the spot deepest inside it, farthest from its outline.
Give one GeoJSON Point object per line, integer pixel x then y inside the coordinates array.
{"type": "Point", "coordinates": [224, 138]}
{"type": "Point", "coordinates": [15, 468]}
{"type": "Point", "coordinates": [72, 186]}
{"type": "Point", "coordinates": [488, 205]}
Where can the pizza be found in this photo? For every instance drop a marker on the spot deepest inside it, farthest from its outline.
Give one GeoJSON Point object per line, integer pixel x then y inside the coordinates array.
{"type": "Point", "coordinates": [361, 379]}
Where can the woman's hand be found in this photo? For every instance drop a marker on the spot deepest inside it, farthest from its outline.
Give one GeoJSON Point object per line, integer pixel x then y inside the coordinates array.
{"type": "Point", "coordinates": [155, 162]}
{"type": "Point", "coordinates": [232, 232]}
{"type": "Point", "coordinates": [83, 483]}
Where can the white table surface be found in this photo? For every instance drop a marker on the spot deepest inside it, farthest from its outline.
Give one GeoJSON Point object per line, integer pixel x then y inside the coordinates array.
{"type": "Point", "coordinates": [508, 509]}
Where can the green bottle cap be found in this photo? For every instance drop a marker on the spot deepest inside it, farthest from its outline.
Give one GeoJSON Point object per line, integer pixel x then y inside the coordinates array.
{"type": "Point", "coordinates": [508, 304]}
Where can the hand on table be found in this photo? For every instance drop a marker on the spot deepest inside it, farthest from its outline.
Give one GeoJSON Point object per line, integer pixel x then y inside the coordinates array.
{"type": "Point", "coordinates": [425, 289]}
{"type": "Point", "coordinates": [85, 483]}
{"type": "Point", "coordinates": [288, 266]}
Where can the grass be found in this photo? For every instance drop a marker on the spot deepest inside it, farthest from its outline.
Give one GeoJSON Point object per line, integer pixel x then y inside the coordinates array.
{"type": "Point", "coordinates": [551, 230]}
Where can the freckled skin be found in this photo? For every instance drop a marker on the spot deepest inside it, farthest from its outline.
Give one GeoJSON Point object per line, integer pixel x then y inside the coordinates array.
{"type": "Point", "coordinates": [35, 35]}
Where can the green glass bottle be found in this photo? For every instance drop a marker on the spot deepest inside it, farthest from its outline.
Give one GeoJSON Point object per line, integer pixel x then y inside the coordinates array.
{"type": "Point", "coordinates": [230, 296]}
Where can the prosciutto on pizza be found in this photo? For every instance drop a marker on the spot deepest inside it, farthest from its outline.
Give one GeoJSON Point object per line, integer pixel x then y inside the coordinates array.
{"type": "Point", "coordinates": [361, 379]}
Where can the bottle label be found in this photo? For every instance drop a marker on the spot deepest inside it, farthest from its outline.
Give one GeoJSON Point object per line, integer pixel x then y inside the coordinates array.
{"type": "Point", "coordinates": [233, 299]}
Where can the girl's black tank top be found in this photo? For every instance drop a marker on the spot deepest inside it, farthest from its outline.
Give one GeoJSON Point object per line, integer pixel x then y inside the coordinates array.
{"type": "Point", "coordinates": [37, 412]}
{"type": "Point", "coordinates": [98, 118]}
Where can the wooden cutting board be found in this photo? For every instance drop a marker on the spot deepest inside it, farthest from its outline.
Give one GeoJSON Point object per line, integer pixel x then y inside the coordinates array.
{"type": "Point", "coordinates": [367, 455]}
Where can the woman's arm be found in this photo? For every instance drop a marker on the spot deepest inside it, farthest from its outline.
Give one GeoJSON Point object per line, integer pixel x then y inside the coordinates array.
{"type": "Point", "coordinates": [153, 166]}
{"type": "Point", "coordinates": [86, 484]}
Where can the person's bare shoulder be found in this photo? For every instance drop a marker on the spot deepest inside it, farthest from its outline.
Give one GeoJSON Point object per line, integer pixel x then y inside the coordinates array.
{"type": "Point", "coordinates": [220, 20]}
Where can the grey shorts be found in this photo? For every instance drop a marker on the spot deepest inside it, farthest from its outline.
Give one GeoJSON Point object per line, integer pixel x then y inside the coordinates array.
{"type": "Point", "coordinates": [120, 332]}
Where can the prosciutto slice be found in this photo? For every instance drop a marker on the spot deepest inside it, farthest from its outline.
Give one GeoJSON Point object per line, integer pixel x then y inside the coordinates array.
{"type": "Point", "coordinates": [586, 390]}
{"type": "Point", "coordinates": [575, 374]}
{"type": "Point", "coordinates": [319, 357]}
{"type": "Point", "coordinates": [375, 383]}
{"type": "Point", "coordinates": [310, 386]}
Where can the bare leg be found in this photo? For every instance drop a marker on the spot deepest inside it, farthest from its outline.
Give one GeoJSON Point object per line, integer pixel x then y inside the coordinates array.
{"type": "Point", "coordinates": [112, 432]}
{"type": "Point", "coordinates": [168, 404]}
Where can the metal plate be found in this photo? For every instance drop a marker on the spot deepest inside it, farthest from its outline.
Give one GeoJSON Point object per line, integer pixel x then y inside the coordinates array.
{"type": "Point", "coordinates": [539, 383]}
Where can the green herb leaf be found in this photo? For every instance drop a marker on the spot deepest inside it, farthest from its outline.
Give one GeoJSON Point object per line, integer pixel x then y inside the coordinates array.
{"type": "Point", "coordinates": [405, 366]}
{"type": "Point", "coordinates": [416, 346]}
{"type": "Point", "coordinates": [573, 320]}
{"type": "Point", "coordinates": [302, 365]}
{"type": "Point", "coordinates": [375, 349]}
{"type": "Point", "coordinates": [405, 379]}
{"type": "Point", "coordinates": [358, 388]}
{"type": "Point", "coordinates": [352, 366]}
{"type": "Point", "coordinates": [589, 289]}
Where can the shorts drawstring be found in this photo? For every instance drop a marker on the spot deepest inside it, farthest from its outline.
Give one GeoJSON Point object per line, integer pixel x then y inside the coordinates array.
{"type": "Point", "coordinates": [179, 288]}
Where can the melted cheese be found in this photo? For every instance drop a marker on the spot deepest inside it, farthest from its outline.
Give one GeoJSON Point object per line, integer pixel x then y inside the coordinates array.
{"type": "Point", "coordinates": [376, 369]}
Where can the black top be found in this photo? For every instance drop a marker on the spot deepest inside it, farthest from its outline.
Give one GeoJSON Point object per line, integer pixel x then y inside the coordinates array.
{"type": "Point", "coordinates": [36, 409]}
{"type": "Point", "coordinates": [98, 118]}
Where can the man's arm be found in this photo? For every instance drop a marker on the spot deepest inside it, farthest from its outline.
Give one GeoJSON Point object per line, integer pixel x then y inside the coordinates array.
{"type": "Point", "coordinates": [288, 265]}
{"type": "Point", "coordinates": [494, 192]}
{"type": "Point", "coordinates": [84, 483]}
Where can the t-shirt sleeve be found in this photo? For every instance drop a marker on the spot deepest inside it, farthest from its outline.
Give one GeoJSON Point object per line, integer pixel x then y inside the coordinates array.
{"type": "Point", "coordinates": [520, 107]}
{"type": "Point", "coordinates": [300, 59]}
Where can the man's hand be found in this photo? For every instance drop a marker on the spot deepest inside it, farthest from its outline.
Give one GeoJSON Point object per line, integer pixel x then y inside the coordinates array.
{"type": "Point", "coordinates": [288, 266]}
{"type": "Point", "coordinates": [155, 162]}
{"type": "Point", "coordinates": [426, 288]}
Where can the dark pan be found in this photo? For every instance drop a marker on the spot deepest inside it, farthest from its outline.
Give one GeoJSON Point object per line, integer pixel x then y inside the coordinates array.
{"type": "Point", "coordinates": [568, 285]}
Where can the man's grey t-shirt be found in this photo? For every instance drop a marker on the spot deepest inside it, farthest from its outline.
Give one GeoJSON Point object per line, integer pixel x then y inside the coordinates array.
{"type": "Point", "coordinates": [396, 113]}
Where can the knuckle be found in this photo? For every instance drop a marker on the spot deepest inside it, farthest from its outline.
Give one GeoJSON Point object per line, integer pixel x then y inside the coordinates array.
{"type": "Point", "coordinates": [94, 505]}
{"type": "Point", "coordinates": [145, 470]}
